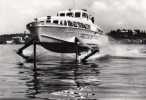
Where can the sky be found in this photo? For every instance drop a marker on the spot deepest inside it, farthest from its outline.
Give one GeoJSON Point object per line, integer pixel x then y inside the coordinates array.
{"type": "Point", "coordinates": [109, 14]}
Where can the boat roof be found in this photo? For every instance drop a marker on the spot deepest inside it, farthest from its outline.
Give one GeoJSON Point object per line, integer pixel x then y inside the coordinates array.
{"type": "Point", "coordinates": [73, 10]}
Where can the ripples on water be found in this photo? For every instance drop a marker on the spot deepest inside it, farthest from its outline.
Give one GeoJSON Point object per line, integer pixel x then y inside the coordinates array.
{"type": "Point", "coordinates": [106, 79]}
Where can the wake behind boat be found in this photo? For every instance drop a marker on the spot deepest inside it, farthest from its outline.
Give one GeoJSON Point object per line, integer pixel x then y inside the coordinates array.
{"type": "Point", "coordinates": [71, 31]}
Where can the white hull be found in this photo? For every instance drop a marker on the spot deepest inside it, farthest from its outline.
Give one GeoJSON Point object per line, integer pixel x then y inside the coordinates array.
{"type": "Point", "coordinates": [57, 36]}
{"type": "Point", "coordinates": [65, 33]}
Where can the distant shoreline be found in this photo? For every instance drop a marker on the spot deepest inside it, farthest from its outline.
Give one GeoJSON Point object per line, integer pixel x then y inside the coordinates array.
{"type": "Point", "coordinates": [128, 36]}
{"type": "Point", "coordinates": [17, 38]}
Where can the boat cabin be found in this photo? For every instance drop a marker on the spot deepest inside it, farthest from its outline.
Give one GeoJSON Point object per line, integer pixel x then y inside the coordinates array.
{"type": "Point", "coordinates": [71, 18]}
{"type": "Point", "coordinates": [67, 22]}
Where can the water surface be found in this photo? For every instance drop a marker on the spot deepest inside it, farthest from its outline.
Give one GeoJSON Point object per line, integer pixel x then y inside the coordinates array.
{"type": "Point", "coordinates": [120, 77]}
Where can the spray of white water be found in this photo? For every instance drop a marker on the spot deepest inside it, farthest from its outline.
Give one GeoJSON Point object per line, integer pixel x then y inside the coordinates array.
{"type": "Point", "coordinates": [128, 50]}
{"type": "Point", "coordinates": [118, 50]}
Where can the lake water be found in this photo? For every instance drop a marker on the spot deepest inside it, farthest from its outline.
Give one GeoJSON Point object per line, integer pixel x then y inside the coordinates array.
{"type": "Point", "coordinates": [121, 76]}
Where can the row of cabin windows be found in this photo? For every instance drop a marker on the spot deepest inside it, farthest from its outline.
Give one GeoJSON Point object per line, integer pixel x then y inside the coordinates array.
{"type": "Point", "coordinates": [69, 23]}
{"type": "Point", "coordinates": [76, 14]}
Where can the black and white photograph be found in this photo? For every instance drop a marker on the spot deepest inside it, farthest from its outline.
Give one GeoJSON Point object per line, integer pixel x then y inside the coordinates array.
{"type": "Point", "coordinates": [72, 49]}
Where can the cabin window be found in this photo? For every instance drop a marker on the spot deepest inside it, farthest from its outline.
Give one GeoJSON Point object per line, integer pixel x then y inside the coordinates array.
{"type": "Point", "coordinates": [83, 26]}
{"type": "Point", "coordinates": [70, 23]}
{"type": "Point", "coordinates": [61, 22]}
{"type": "Point", "coordinates": [79, 25]}
{"type": "Point", "coordinates": [75, 24]}
{"type": "Point", "coordinates": [48, 21]}
{"type": "Point", "coordinates": [62, 14]}
{"type": "Point", "coordinates": [41, 22]}
{"type": "Point", "coordinates": [48, 17]}
{"type": "Point", "coordinates": [77, 14]}
{"type": "Point", "coordinates": [70, 14]}
{"type": "Point", "coordinates": [85, 15]}
{"type": "Point", "coordinates": [55, 21]}
{"type": "Point", "coordinates": [65, 23]}
{"type": "Point", "coordinates": [87, 26]}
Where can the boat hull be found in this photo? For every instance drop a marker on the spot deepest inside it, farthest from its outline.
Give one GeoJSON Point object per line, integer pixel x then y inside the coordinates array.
{"type": "Point", "coordinates": [62, 39]}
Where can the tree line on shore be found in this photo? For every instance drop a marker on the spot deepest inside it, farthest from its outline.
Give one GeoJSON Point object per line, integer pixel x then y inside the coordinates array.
{"type": "Point", "coordinates": [16, 38]}
{"type": "Point", "coordinates": [127, 34]}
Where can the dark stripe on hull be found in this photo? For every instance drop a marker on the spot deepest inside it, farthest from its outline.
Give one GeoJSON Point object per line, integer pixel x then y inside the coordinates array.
{"type": "Point", "coordinates": [63, 47]}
